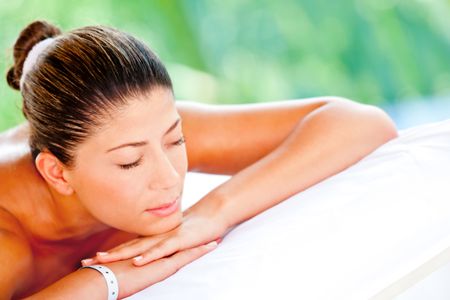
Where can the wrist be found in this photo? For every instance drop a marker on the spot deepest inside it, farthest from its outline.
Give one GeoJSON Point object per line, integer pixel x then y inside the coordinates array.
{"type": "Point", "coordinates": [213, 207]}
{"type": "Point", "coordinates": [112, 286]}
{"type": "Point", "coordinates": [122, 271]}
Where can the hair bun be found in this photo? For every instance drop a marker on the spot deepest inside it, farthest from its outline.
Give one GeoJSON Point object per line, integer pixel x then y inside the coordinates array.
{"type": "Point", "coordinates": [28, 37]}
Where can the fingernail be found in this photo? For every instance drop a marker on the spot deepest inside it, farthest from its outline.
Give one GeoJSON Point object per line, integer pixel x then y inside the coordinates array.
{"type": "Point", "coordinates": [137, 258]}
{"type": "Point", "coordinates": [102, 253]}
{"type": "Point", "coordinates": [86, 261]}
{"type": "Point", "coordinates": [211, 245]}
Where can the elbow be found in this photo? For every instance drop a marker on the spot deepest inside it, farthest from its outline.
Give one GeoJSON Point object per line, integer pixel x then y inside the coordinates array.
{"type": "Point", "coordinates": [372, 122]}
{"type": "Point", "coordinates": [379, 124]}
{"type": "Point", "coordinates": [384, 124]}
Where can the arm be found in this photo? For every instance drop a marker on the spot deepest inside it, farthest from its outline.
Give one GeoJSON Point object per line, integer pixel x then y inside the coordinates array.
{"type": "Point", "coordinates": [224, 139]}
{"type": "Point", "coordinates": [16, 273]}
{"type": "Point", "coordinates": [16, 257]}
{"type": "Point", "coordinates": [324, 142]}
{"type": "Point", "coordinates": [90, 284]}
{"type": "Point", "coordinates": [16, 269]}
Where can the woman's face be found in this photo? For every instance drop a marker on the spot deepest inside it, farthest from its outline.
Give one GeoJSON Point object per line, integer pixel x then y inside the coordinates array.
{"type": "Point", "coordinates": [132, 164]}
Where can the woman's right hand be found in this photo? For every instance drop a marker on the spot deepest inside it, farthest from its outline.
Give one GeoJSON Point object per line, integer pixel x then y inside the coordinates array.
{"type": "Point", "coordinates": [158, 270]}
{"type": "Point", "coordinates": [87, 283]}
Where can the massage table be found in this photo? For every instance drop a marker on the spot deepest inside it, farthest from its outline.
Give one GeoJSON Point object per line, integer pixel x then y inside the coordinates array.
{"type": "Point", "coordinates": [379, 229]}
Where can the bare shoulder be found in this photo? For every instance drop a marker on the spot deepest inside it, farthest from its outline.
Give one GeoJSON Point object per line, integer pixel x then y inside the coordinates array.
{"type": "Point", "coordinates": [16, 258]}
{"type": "Point", "coordinates": [18, 133]}
{"type": "Point", "coordinates": [16, 166]}
{"type": "Point", "coordinates": [14, 144]}
{"type": "Point", "coordinates": [225, 138]}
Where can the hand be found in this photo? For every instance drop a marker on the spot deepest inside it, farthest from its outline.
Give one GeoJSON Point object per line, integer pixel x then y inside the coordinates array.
{"type": "Point", "coordinates": [194, 230]}
{"type": "Point", "coordinates": [132, 279]}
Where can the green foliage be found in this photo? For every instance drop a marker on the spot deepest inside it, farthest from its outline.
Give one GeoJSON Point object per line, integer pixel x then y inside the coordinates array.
{"type": "Point", "coordinates": [371, 51]}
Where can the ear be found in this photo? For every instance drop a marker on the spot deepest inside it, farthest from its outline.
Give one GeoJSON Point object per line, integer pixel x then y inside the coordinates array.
{"type": "Point", "coordinates": [53, 171]}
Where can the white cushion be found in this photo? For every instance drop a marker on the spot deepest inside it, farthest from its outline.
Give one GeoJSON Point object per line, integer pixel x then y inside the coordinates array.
{"type": "Point", "coordinates": [372, 230]}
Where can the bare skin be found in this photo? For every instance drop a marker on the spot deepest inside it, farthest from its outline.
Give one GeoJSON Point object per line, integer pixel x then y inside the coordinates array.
{"type": "Point", "coordinates": [51, 246]}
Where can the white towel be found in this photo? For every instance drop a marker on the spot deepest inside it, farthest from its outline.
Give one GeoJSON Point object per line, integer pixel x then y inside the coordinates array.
{"type": "Point", "coordinates": [368, 232]}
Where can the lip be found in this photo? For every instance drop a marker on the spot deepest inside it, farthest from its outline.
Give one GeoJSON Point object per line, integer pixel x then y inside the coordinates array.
{"type": "Point", "coordinates": [166, 209]}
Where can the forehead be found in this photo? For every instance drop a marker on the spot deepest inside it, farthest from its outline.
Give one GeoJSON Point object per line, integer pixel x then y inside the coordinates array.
{"type": "Point", "coordinates": [148, 115]}
{"type": "Point", "coordinates": [154, 109]}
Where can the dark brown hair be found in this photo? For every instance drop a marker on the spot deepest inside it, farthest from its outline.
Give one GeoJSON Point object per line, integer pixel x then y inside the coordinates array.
{"type": "Point", "coordinates": [77, 80]}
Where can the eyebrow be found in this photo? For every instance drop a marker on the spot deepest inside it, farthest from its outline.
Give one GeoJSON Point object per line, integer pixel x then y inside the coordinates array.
{"type": "Point", "coordinates": [143, 143]}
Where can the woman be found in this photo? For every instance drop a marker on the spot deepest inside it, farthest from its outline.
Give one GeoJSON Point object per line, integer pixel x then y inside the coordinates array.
{"type": "Point", "coordinates": [99, 164]}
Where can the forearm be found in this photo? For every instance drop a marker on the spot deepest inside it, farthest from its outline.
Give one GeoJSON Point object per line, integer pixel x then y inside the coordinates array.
{"type": "Point", "coordinates": [325, 142]}
{"type": "Point", "coordinates": [89, 284]}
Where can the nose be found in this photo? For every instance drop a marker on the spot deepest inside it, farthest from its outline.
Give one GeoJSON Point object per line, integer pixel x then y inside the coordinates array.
{"type": "Point", "coordinates": [164, 176]}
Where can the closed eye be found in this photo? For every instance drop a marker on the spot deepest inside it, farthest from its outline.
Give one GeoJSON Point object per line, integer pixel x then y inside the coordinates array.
{"type": "Point", "coordinates": [132, 165]}
{"type": "Point", "coordinates": [181, 141]}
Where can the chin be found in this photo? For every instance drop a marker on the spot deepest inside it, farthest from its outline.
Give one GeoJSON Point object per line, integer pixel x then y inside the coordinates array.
{"type": "Point", "coordinates": [163, 225]}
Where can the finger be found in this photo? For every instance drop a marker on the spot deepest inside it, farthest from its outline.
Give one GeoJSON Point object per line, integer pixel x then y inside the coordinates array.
{"type": "Point", "coordinates": [121, 253]}
{"type": "Point", "coordinates": [165, 267]}
{"type": "Point", "coordinates": [93, 260]}
{"type": "Point", "coordinates": [162, 249]}
{"type": "Point", "coordinates": [172, 264]}
{"type": "Point", "coordinates": [106, 256]}
{"type": "Point", "coordinates": [145, 242]}
{"type": "Point", "coordinates": [126, 244]}
{"type": "Point", "coordinates": [89, 261]}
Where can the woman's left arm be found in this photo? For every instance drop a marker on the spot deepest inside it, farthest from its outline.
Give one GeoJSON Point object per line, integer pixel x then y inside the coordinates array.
{"type": "Point", "coordinates": [326, 141]}
{"type": "Point", "coordinates": [273, 152]}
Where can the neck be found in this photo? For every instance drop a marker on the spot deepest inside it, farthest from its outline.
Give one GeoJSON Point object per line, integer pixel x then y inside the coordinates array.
{"type": "Point", "coordinates": [52, 217]}
{"type": "Point", "coordinates": [72, 220]}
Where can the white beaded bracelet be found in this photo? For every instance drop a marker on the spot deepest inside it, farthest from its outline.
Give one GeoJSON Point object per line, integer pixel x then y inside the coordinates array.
{"type": "Point", "coordinates": [110, 278]}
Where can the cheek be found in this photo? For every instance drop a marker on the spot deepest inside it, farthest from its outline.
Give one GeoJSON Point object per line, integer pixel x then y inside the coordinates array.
{"type": "Point", "coordinates": [104, 193]}
{"type": "Point", "coordinates": [104, 184]}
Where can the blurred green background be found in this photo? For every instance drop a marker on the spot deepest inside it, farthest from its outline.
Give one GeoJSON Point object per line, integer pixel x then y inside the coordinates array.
{"type": "Point", "coordinates": [382, 52]}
